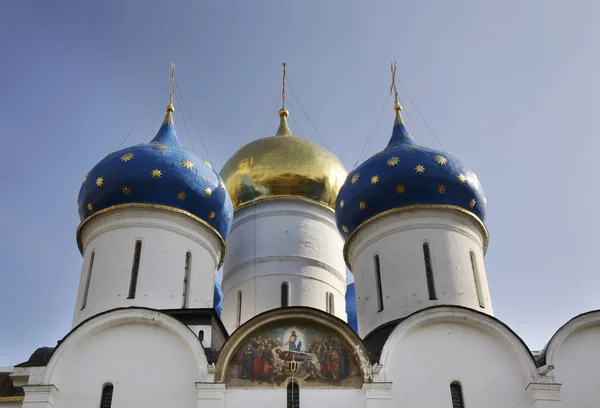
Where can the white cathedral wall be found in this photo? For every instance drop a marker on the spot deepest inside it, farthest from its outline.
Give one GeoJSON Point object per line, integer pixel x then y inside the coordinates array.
{"type": "Point", "coordinates": [260, 397]}
{"type": "Point", "coordinates": [577, 362]}
{"type": "Point", "coordinates": [398, 240]}
{"type": "Point", "coordinates": [278, 241]}
{"type": "Point", "coordinates": [166, 238]}
{"type": "Point", "coordinates": [423, 361]}
{"type": "Point", "coordinates": [151, 360]}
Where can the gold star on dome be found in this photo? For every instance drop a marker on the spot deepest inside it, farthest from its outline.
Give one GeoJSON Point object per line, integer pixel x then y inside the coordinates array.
{"type": "Point", "coordinates": [100, 181]}
{"type": "Point", "coordinates": [413, 146]}
{"type": "Point", "coordinates": [441, 189]}
{"type": "Point", "coordinates": [78, 207]}
{"type": "Point", "coordinates": [90, 207]}
{"type": "Point", "coordinates": [86, 177]}
{"type": "Point", "coordinates": [110, 154]}
{"type": "Point", "coordinates": [375, 179]}
{"type": "Point", "coordinates": [126, 191]}
{"type": "Point", "coordinates": [211, 215]}
{"type": "Point", "coordinates": [473, 175]}
{"type": "Point", "coordinates": [156, 173]}
{"type": "Point", "coordinates": [344, 228]}
{"type": "Point", "coordinates": [207, 163]}
{"type": "Point", "coordinates": [355, 178]}
{"type": "Point", "coordinates": [181, 195]}
{"type": "Point", "coordinates": [342, 203]}
{"type": "Point", "coordinates": [187, 164]}
{"type": "Point", "coordinates": [127, 157]}
{"type": "Point", "coordinates": [440, 159]}
{"type": "Point", "coordinates": [160, 147]}
{"type": "Point", "coordinates": [472, 203]}
{"type": "Point", "coordinates": [222, 184]}
{"type": "Point", "coordinates": [228, 216]}
{"type": "Point", "coordinates": [207, 191]}
{"type": "Point", "coordinates": [362, 205]}
{"type": "Point", "coordinates": [410, 136]}
{"type": "Point", "coordinates": [400, 188]}
{"type": "Point", "coordinates": [392, 161]}
{"type": "Point", "coordinates": [462, 178]}
{"type": "Point", "coordinates": [419, 168]}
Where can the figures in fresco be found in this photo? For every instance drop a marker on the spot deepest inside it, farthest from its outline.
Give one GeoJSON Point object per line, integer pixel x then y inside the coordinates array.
{"type": "Point", "coordinates": [266, 358]}
{"type": "Point", "coordinates": [292, 342]}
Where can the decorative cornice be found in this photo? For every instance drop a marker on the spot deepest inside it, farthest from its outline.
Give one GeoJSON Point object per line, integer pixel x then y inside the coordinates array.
{"type": "Point", "coordinates": [11, 399]}
{"type": "Point", "coordinates": [283, 197]}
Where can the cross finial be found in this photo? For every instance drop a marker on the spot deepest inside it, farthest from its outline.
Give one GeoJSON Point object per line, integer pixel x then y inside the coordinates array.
{"type": "Point", "coordinates": [394, 89]}
{"type": "Point", "coordinates": [172, 92]}
{"type": "Point", "coordinates": [283, 86]}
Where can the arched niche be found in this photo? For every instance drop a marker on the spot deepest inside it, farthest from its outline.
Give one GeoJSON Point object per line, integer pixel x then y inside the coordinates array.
{"type": "Point", "coordinates": [326, 351]}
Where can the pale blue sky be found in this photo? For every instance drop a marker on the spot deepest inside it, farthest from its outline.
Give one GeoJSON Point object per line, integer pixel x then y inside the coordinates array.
{"type": "Point", "coordinates": [512, 88]}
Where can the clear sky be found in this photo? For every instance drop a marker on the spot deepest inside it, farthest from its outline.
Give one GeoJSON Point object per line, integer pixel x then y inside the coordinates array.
{"type": "Point", "coordinates": [512, 88]}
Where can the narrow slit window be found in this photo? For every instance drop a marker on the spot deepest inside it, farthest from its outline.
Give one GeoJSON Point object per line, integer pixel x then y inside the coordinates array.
{"type": "Point", "coordinates": [293, 395]}
{"type": "Point", "coordinates": [201, 335]}
{"type": "Point", "coordinates": [378, 283]}
{"type": "Point", "coordinates": [88, 278]}
{"type": "Point", "coordinates": [135, 269]}
{"type": "Point", "coordinates": [327, 309]}
{"type": "Point", "coordinates": [457, 395]}
{"type": "Point", "coordinates": [285, 294]}
{"type": "Point", "coordinates": [107, 394]}
{"type": "Point", "coordinates": [186, 279]}
{"type": "Point", "coordinates": [331, 303]}
{"type": "Point", "coordinates": [429, 271]}
{"type": "Point", "coordinates": [476, 277]}
{"type": "Point", "coordinates": [239, 309]}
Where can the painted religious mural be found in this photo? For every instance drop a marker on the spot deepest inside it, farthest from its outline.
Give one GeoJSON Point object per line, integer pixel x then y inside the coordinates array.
{"type": "Point", "coordinates": [266, 359]}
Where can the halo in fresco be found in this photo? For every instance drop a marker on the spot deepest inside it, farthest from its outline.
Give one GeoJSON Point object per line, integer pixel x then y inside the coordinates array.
{"type": "Point", "coordinates": [323, 360]}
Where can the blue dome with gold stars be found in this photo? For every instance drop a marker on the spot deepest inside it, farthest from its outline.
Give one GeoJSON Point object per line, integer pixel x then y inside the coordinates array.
{"type": "Point", "coordinates": [406, 176]}
{"type": "Point", "coordinates": [160, 174]}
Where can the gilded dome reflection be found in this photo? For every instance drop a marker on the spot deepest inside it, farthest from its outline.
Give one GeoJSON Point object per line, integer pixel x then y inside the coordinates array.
{"type": "Point", "coordinates": [283, 166]}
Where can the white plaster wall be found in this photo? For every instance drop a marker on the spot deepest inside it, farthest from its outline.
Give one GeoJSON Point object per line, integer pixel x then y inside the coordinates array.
{"type": "Point", "coordinates": [577, 367]}
{"type": "Point", "coordinates": [148, 364]}
{"type": "Point", "coordinates": [398, 240]}
{"type": "Point", "coordinates": [425, 360]}
{"type": "Point", "coordinates": [257, 397]}
{"type": "Point", "coordinates": [272, 242]}
{"type": "Point", "coordinates": [166, 238]}
{"type": "Point", "coordinates": [206, 343]}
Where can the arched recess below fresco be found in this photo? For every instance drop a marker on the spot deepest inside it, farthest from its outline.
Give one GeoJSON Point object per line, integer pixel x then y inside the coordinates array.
{"type": "Point", "coordinates": [327, 352]}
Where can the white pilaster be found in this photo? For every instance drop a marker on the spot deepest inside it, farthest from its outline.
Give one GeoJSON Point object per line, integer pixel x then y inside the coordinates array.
{"type": "Point", "coordinates": [211, 395]}
{"type": "Point", "coordinates": [544, 395]}
{"type": "Point", "coordinates": [377, 394]}
{"type": "Point", "coordinates": [39, 396]}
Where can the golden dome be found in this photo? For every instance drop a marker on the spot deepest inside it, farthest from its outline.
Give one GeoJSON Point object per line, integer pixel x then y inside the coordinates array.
{"type": "Point", "coordinates": [283, 166]}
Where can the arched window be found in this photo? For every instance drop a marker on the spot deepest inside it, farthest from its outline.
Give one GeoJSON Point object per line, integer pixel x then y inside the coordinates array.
{"type": "Point", "coordinates": [331, 303]}
{"type": "Point", "coordinates": [429, 271]}
{"type": "Point", "coordinates": [476, 277]}
{"type": "Point", "coordinates": [201, 335]}
{"type": "Point", "coordinates": [457, 395]}
{"type": "Point", "coordinates": [186, 279]}
{"type": "Point", "coordinates": [378, 283]}
{"type": "Point", "coordinates": [107, 394]}
{"type": "Point", "coordinates": [293, 395]}
{"type": "Point", "coordinates": [87, 280]}
{"type": "Point", "coordinates": [238, 318]}
{"type": "Point", "coordinates": [135, 268]}
{"type": "Point", "coordinates": [285, 294]}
